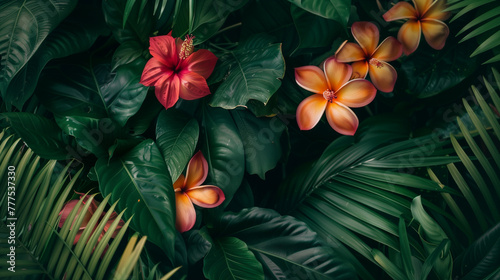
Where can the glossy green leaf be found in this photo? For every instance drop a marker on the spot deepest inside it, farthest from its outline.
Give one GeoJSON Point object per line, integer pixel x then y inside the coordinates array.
{"type": "Point", "coordinates": [176, 135]}
{"type": "Point", "coordinates": [314, 31]}
{"type": "Point", "coordinates": [431, 72]}
{"type": "Point", "coordinates": [94, 135]}
{"type": "Point", "coordinates": [126, 53]}
{"type": "Point", "coordinates": [223, 150]}
{"type": "Point", "coordinates": [76, 34]}
{"type": "Point", "coordinates": [140, 181]}
{"type": "Point", "coordinates": [42, 135]}
{"type": "Point", "coordinates": [432, 235]}
{"type": "Point", "coordinates": [285, 246]}
{"type": "Point", "coordinates": [338, 10]}
{"type": "Point", "coordinates": [230, 259]}
{"type": "Point", "coordinates": [138, 26]}
{"type": "Point", "coordinates": [210, 15]}
{"type": "Point", "coordinates": [24, 26]}
{"type": "Point", "coordinates": [255, 70]}
{"type": "Point", "coordinates": [94, 91]}
{"type": "Point", "coordinates": [261, 141]}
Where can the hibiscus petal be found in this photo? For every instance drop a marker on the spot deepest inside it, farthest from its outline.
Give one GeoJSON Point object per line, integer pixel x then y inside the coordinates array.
{"type": "Point", "coordinates": [197, 171]}
{"type": "Point", "coordinates": [356, 93]}
{"type": "Point", "coordinates": [311, 78]}
{"type": "Point", "coordinates": [409, 36]}
{"type": "Point", "coordinates": [163, 48]}
{"type": "Point", "coordinates": [167, 90]}
{"type": "Point", "coordinates": [383, 76]}
{"type": "Point", "coordinates": [111, 220]}
{"type": "Point", "coordinates": [154, 71]}
{"type": "Point", "coordinates": [310, 110]}
{"type": "Point", "coordinates": [337, 73]}
{"type": "Point", "coordinates": [359, 69]}
{"type": "Point", "coordinates": [193, 86]}
{"type": "Point", "coordinates": [435, 33]}
{"type": "Point", "coordinates": [390, 49]}
{"type": "Point", "coordinates": [422, 5]}
{"type": "Point", "coordinates": [179, 183]}
{"type": "Point", "coordinates": [401, 10]}
{"type": "Point", "coordinates": [206, 196]}
{"type": "Point", "coordinates": [68, 207]}
{"type": "Point", "coordinates": [349, 52]}
{"type": "Point", "coordinates": [341, 118]}
{"type": "Point", "coordinates": [201, 62]}
{"type": "Point", "coordinates": [436, 11]}
{"type": "Point", "coordinates": [185, 215]}
{"type": "Point", "coordinates": [367, 35]}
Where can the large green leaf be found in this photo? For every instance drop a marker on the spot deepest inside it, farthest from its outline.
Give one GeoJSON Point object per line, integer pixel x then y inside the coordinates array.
{"type": "Point", "coordinates": [285, 246]}
{"type": "Point", "coordinates": [95, 135]}
{"type": "Point", "coordinates": [481, 257]}
{"type": "Point", "coordinates": [24, 26]}
{"type": "Point", "coordinates": [432, 72]}
{"type": "Point", "coordinates": [140, 182]}
{"type": "Point", "coordinates": [432, 235]}
{"type": "Point", "coordinates": [42, 135]}
{"type": "Point", "coordinates": [230, 259]}
{"type": "Point", "coordinates": [96, 91]}
{"type": "Point", "coordinates": [223, 150]}
{"type": "Point", "coordinates": [314, 31]}
{"type": "Point", "coordinates": [338, 10]}
{"type": "Point", "coordinates": [261, 141]}
{"type": "Point", "coordinates": [254, 71]}
{"type": "Point", "coordinates": [177, 136]}
{"type": "Point", "coordinates": [138, 27]}
{"type": "Point", "coordinates": [210, 15]}
{"type": "Point", "coordinates": [76, 34]}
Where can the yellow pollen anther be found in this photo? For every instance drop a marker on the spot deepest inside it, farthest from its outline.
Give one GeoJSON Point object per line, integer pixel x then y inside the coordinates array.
{"type": "Point", "coordinates": [187, 47]}
{"type": "Point", "coordinates": [376, 63]}
{"type": "Point", "coordinates": [329, 95]}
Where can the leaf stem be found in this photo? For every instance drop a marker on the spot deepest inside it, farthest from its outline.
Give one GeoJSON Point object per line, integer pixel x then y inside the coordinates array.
{"type": "Point", "coordinates": [228, 28]}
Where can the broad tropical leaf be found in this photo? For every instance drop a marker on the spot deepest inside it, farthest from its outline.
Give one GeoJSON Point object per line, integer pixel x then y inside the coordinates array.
{"type": "Point", "coordinates": [338, 10]}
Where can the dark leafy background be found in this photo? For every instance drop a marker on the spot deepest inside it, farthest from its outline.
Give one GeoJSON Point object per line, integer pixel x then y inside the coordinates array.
{"type": "Point", "coordinates": [298, 204]}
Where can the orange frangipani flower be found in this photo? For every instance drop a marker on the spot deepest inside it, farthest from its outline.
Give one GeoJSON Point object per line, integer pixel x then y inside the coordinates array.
{"type": "Point", "coordinates": [334, 94]}
{"type": "Point", "coordinates": [370, 57]}
{"type": "Point", "coordinates": [188, 190]}
{"type": "Point", "coordinates": [176, 71]}
{"type": "Point", "coordinates": [427, 17]}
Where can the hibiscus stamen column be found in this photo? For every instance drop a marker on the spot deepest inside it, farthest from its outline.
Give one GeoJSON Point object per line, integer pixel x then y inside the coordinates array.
{"type": "Point", "coordinates": [187, 47]}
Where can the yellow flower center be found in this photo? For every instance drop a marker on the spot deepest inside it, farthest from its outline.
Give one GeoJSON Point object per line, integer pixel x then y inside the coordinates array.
{"type": "Point", "coordinates": [376, 63]}
{"type": "Point", "coordinates": [187, 47]}
{"type": "Point", "coordinates": [329, 95]}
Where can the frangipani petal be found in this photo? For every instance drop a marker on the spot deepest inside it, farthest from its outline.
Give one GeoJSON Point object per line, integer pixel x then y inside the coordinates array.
{"type": "Point", "coordinates": [206, 196]}
{"type": "Point", "coordinates": [422, 5]}
{"type": "Point", "coordinates": [163, 48]}
{"type": "Point", "coordinates": [201, 62]}
{"type": "Point", "coordinates": [359, 70]}
{"type": "Point", "coordinates": [311, 78]}
{"type": "Point", "coordinates": [337, 73]}
{"type": "Point", "coordinates": [401, 10]}
{"type": "Point", "coordinates": [436, 11]}
{"type": "Point", "coordinates": [185, 215]}
{"type": "Point", "coordinates": [179, 183]}
{"type": "Point", "coordinates": [310, 111]}
{"type": "Point", "coordinates": [349, 52]}
{"type": "Point", "coordinates": [435, 33]}
{"type": "Point", "coordinates": [409, 36]}
{"type": "Point", "coordinates": [167, 90]}
{"type": "Point", "coordinates": [390, 49]}
{"type": "Point", "coordinates": [356, 93]}
{"type": "Point", "coordinates": [367, 35]}
{"type": "Point", "coordinates": [383, 76]}
{"type": "Point", "coordinates": [197, 171]}
{"type": "Point", "coordinates": [154, 71]}
{"type": "Point", "coordinates": [341, 118]}
{"type": "Point", "coordinates": [193, 86]}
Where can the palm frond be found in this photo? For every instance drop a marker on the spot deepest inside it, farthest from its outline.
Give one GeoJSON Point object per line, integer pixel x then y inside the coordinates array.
{"type": "Point", "coordinates": [41, 248]}
{"type": "Point", "coordinates": [485, 24]}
